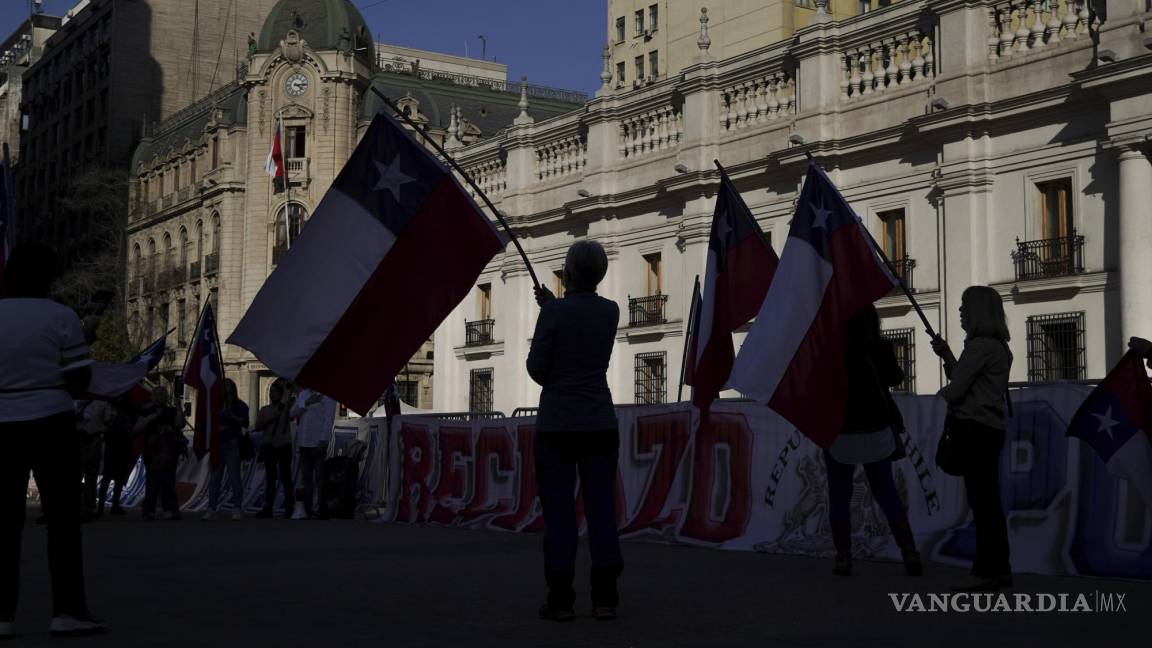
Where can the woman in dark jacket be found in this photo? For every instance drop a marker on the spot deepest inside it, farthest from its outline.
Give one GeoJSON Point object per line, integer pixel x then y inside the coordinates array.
{"type": "Point", "coordinates": [576, 431]}
{"type": "Point", "coordinates": [870, 437]}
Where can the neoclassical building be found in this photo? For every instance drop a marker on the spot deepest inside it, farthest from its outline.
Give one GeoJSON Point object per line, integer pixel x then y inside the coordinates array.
{"type": "Point", "coordinates": [997, 142]}
{"type": "Point", "coordinates": [206, 223]}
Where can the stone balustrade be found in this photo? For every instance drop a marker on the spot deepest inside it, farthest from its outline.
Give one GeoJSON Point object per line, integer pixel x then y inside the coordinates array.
{"type": "Point", "coordinates": [561, 157]}
{"type": "Point", "coordinates": [759, 100]}
{"type": "Point", "coordinates": [490, 175]}
{"type": "Point", "coordinates": [886, 63]}
{"type": "Point", "coordinates": [1019, 26]}
{"type": "Point", "coordinates": [651, 131]}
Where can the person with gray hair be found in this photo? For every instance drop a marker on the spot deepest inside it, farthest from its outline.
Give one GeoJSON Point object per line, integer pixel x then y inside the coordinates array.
{"type": "Point", "coordinates": [576, 432]}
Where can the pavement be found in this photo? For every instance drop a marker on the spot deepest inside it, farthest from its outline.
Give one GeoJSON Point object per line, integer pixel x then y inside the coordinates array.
{"type": "Point", "coordinates": [345, 583]}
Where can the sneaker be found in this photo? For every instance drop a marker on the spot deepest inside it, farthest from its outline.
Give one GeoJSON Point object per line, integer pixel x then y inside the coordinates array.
{"type": "Point", "coordinates": [549, 613]}
{"type": "Point", "coordinates": [237, 516]}
{"type": "Point", "coordinates": [843, 565]}
{"type": "Point", "coordinates": [604, 613]}
{"type": "Point", "coordinates": [912, 564]}
{"type": "Point", "coordinates": [66, 625]}
{"type": "Point", "coordinates": [6, 631]}
{"type": "Point", "coordinates": [209, 515]}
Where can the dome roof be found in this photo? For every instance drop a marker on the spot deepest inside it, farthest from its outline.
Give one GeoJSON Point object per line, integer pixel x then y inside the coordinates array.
{"type": "Point", "coordinates": [319, 22]}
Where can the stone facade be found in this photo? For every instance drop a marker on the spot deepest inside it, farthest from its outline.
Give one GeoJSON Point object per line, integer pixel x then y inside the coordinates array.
{"type": "Point", "coordinates": [981, 141]}
{"type": "Point", "coordinates": [17, 52]}
{"type": "Point", "coordinates": [206, 222]}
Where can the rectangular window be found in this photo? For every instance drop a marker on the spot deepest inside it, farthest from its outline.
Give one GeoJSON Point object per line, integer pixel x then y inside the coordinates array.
{"type": "Point", "coordinates": [409, 392]}
{"type": "Point", "coordinates": [215, 151]}
{"type": "Point", "coordinates": [620, 73]}
{"type": "Point", "coordinates": [654, 63]}
{"type": "Point", "coordinates": [892, 233]}
{"type": "Point", "coordinates": [620, 29]}
{"type": "Point", "coordinates": [192, 179]}
{"type": "Point", "coordinates": [480, 391]}
{"type": "Point", "coordinates": [484, 301]}
{"type": "Point", "coordinates": [639, 22]}
{"type": "Point", "coordinates": [639, 68]}
{"type": "Point", "coordinates": [558, 282]}
{"type": "Point", "coordinates": [904, 344]}
{"type": "Point", "coordinates": [654, 17]}
{"type": "Point", "coordinates": [1056, 347]}
{"type": "Point", "coordinates": [1055, 203]}
{"type": "Point", "coordinates": [865, 6]}
{"type": "Point", "coordinates": [651, 375]}
{"type": "Point", "coordinates": [295, 142]}
{"type": "Point", "coordinates": [652, 274]}
{"type": "Point", "coordinates": [181, 330]}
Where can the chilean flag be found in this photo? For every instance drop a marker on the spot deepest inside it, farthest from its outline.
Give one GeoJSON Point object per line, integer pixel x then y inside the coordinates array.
{"type": "Point", "coordinates": [274, 165]}
{"type": "Point", "coordinates": [393, 247]}
{"type": "Point", "coordinates": [1116, 420]}
{"type": "Point", "coordinates": [793, 356]}
{"type": "Point", "coordinates": [110, 381]}
{"type": "Point", "coordinates": [7, 208]}
{"type": "Point", "coordinates": [740, 269]}
{"type": "Point", "coordinates": [204, 372]}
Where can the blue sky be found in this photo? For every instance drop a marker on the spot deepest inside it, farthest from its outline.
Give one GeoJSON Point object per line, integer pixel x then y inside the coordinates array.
{"type": "Point", "coordinates": [555, 42]}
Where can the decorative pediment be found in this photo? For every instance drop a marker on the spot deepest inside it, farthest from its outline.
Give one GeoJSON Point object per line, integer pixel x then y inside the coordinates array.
{"type": "Point", "coordinates": [296, 111]}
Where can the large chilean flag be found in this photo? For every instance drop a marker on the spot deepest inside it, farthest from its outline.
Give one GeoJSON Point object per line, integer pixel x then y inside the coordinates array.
{"type": "Point", "coordinates": [393, 247]}
{"type": "Point", "coordinates": [739, 271]}
{"type": "Point", "coordinates": [793, 356]}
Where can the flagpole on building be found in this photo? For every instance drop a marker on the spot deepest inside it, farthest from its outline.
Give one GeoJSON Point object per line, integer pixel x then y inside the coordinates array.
{"type": "Point", "coordinates": [891, 269]}
{"type": "Point", "coordinates": [287, 187]}
{"type": "Point", "coordinates": [467, 178]}
{"type": "Point", "coordinates": [689, 333]}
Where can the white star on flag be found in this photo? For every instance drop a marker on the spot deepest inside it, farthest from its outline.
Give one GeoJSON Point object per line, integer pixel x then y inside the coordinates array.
{"type": "Point", "coordinates": [1107, 423]}
{"type": "Point", "coordinates": [392, 178]}
{"type": "Point", "coordinates": [820, 218]}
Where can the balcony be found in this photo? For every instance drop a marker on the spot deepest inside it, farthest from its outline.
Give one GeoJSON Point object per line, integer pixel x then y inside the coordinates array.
{"type": "Point", "coordinates": [177, 277]}
{"type": "Point", "coordinates": [194, 271]}
{"type": "Point", "coordinates": [478, 333]}
{"type": "Point", "coordinates": [1047, 258]}
{"type": "Point", "coordinates": [646, 311]}
{"type": "Point", "coordinates": [903, 268]}
{"type": "Point", "coordinates": [211, 264]}
{"type": "Point", "coordinates": [297, 170]}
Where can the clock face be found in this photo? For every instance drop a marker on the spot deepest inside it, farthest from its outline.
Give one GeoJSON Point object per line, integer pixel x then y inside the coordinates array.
{"type": "Point", "coordinates": [296, 85]}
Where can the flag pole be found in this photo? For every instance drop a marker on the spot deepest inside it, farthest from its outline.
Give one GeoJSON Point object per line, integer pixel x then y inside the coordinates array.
{"type": "Point", "coordinates": [892, 270]}
{"type": "Point", "coordinates": [689, 333]}
{"type": "Point", "coordinates": [287, 187]}
{"type": "Point", "coordinates": [444, 154]}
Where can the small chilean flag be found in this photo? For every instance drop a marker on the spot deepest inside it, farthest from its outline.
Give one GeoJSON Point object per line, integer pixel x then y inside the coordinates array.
{"type": "Point", "coordinates": [740, 269]}
{"type": "Point", "coordinates": [274, 166]}
{"type": "Point", "coordinates": [793, 356]}
{"type": "Point", "coordinates": [393, 247]}
{"type": "Point", "coordinates": [204, 372]}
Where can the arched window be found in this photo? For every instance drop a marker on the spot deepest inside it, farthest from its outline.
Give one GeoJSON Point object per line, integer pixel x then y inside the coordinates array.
{"type": "Point", "coordinates": [150, 272]}
{"type": "Point", "coordinates": [137, 270]}
{"type": "Point", "coordinates": [289, 221]}
{"type": "Point", "coordinates": [169, 253]}
{"type": "Point", "coordinates": [185, 252]}
{"type": "Point", "coordinates": [215, 232]}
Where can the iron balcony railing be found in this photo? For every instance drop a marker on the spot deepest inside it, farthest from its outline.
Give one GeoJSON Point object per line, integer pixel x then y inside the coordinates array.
{"type": "Point", "coordinates": [646, 311]}
{"type": "Point", "coordinates": [211, 264]}
{"type": "Point", "coordinates": [1055, 257]}
{"type": "Point", "coordinates": [903, 269]}
{"type": "Point", "coordinates": [478, 333]}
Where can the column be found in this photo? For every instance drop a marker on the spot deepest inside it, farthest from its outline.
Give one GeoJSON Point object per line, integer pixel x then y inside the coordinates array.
{"type": "Point", "coordinates": [1135, 178]}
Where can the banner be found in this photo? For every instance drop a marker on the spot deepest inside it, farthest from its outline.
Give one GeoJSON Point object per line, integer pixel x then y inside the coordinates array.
{"type": "Point", "coordinates": [748, 481]}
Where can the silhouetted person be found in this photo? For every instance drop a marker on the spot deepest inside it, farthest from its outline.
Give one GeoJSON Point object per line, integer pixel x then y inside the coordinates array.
{"type": "Point", "coordinates": [977, 415]}
{"type": "Point", "coordinates": [164, 443]}
{"type": "Point", "coordinates": [44, 355]}
{"type": "Point", "coordinates": [1142, 347]}
{"type": "Point", "coordinates": [94, 417]}
{"type": "Point", "coordinates": [314, 413]}
{"type": "Point", "coordinates": [117, 454]}
{"type": "Point", "coordinates": [233, 421]}
{"type": "Point", "coordinates": [276, 450]}
{"type": "Point", "coordinates": [577, 431]}
{"type": "Point", "coordinates": [869, 437]}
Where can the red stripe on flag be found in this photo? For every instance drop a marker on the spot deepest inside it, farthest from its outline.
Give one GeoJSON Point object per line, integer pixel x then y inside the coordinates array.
{"type": "Point", "coordinates": [428, 271]}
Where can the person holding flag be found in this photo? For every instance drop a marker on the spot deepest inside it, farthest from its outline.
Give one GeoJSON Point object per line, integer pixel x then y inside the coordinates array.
{"type": "Point", "coordinates": [739, 271]}
{"type": "Point", "coordinates": [977, 396]}
{"type": "Point", "coordinates": [204, 372]}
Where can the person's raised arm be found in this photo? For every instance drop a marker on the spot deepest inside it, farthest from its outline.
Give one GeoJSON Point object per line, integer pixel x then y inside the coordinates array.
{"type": "Point", "coordinates": [543, 346]}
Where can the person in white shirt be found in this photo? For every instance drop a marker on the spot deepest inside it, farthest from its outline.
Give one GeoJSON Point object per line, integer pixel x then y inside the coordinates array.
{"type": "Point", "coordinates": [314, 414]}
{"type": "Point", "coordinates": [44, 353]}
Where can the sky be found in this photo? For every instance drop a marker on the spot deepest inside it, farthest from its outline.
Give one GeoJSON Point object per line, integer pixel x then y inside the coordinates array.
{"type": "Point", "coordinates": [554, 42]}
